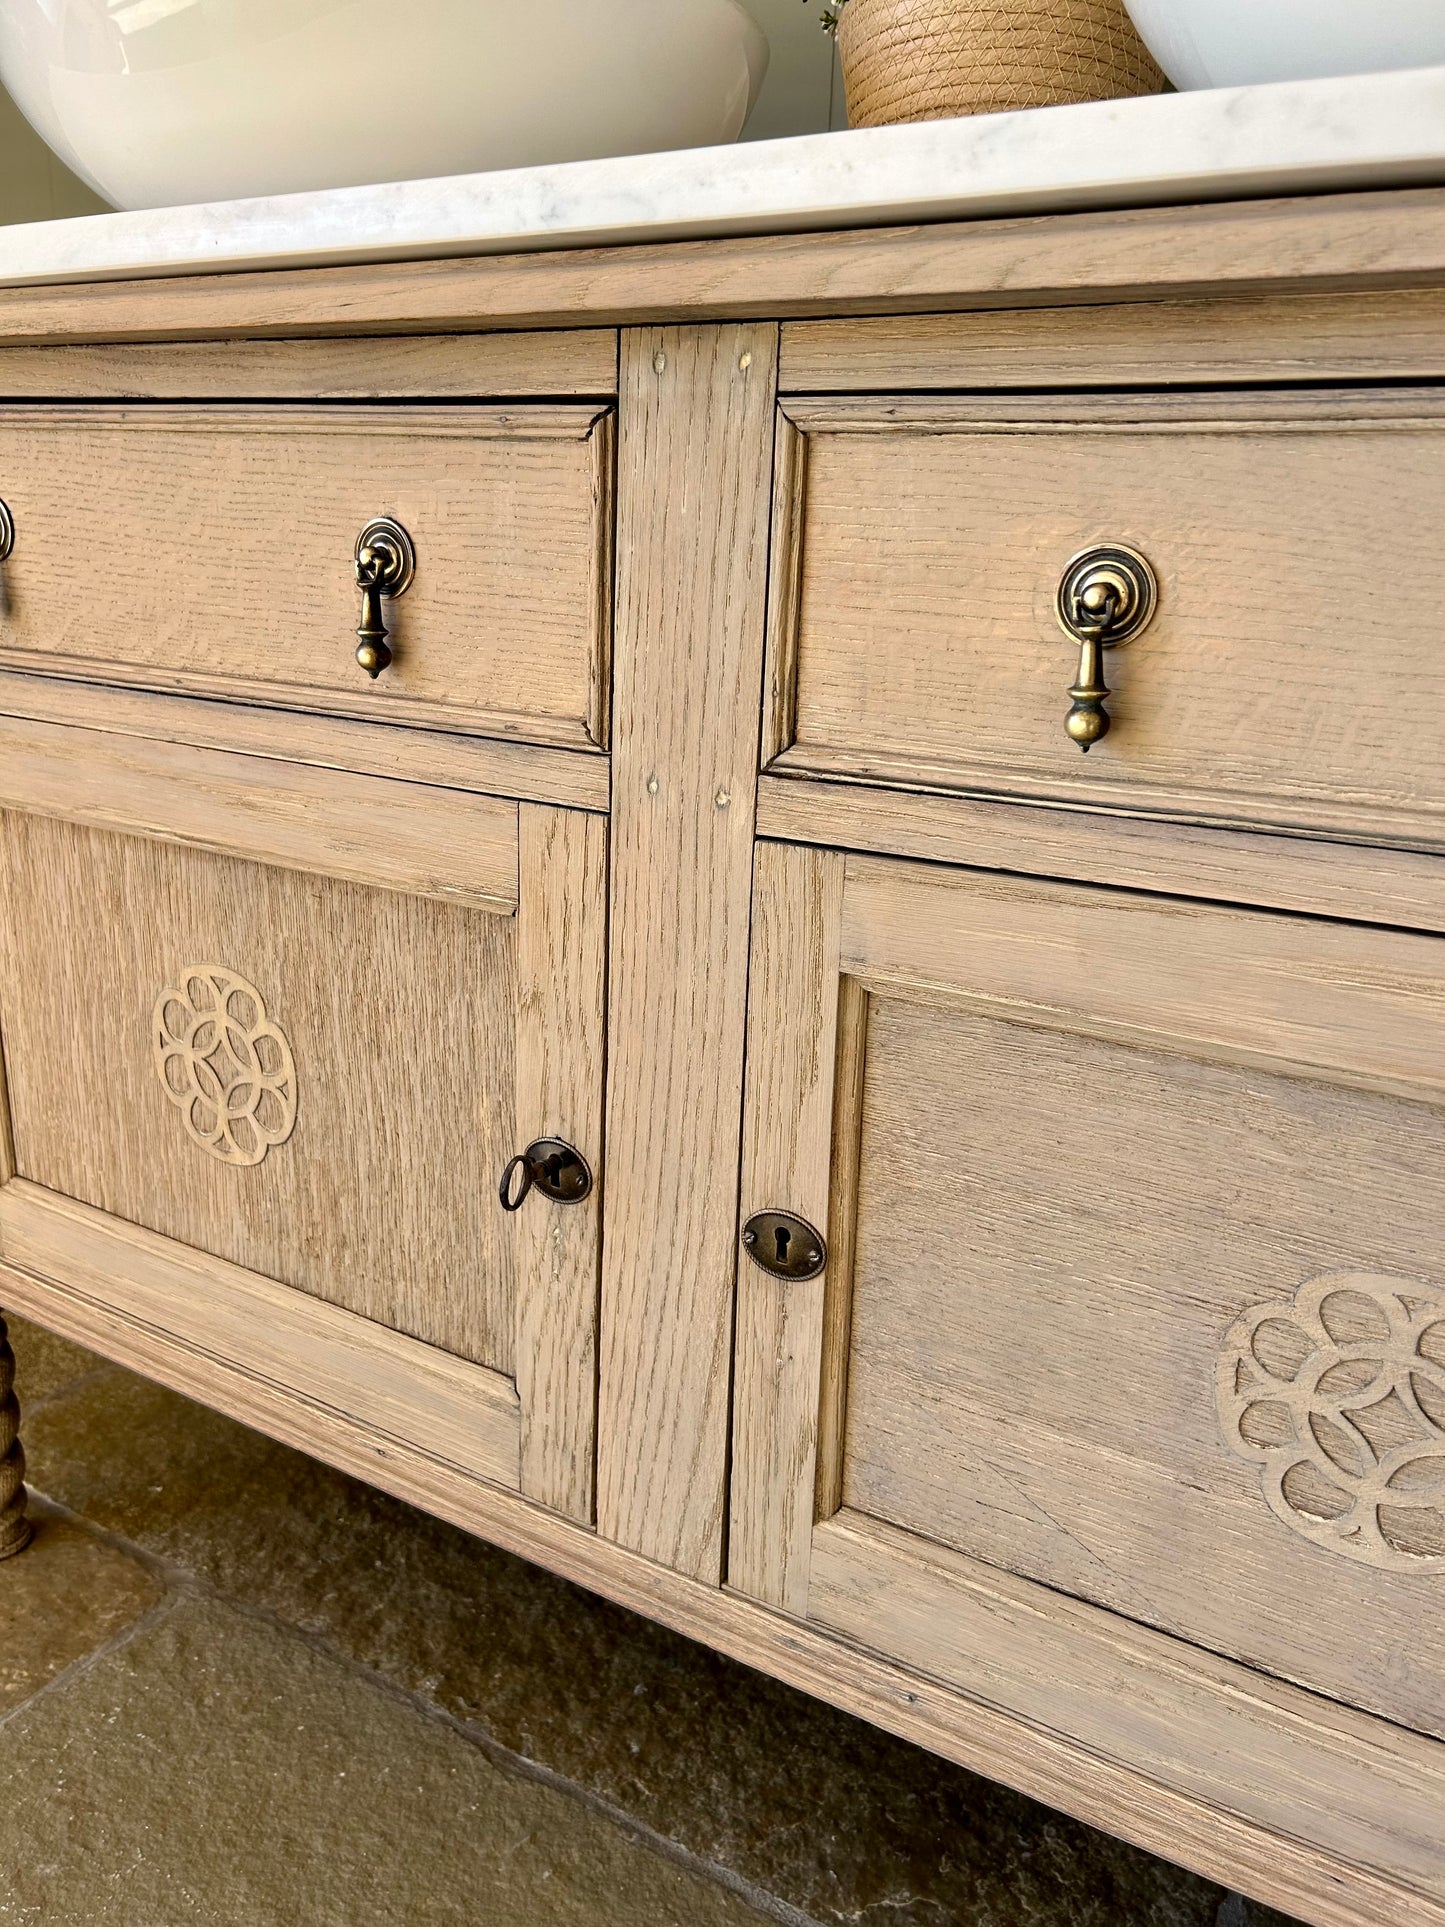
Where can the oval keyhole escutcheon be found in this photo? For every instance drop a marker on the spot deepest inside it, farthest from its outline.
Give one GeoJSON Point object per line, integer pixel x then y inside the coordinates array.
{"type": "Point", "coordinates": [785, 1246]}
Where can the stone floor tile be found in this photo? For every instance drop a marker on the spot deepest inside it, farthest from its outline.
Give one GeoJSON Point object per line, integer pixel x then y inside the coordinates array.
{"type": "Point", "coordinates": [45, 1364]}
{"type": "Point", "coordinates": [216, 1771]}
{"type": "Point", "coordinates": [60, 1599]}
{"type": "Point", "coordinates": [835, 1818]}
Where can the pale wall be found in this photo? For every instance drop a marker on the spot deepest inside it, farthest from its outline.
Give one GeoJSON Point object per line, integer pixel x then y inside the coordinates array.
{"type": "Point", "coordinates": [801, 97]}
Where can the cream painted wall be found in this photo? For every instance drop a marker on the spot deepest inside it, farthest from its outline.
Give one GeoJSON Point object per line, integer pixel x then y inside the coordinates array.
{"type": "Point", "coordinates": [34, 185]}
{"type": "Point", "coordinates": [801, 96]}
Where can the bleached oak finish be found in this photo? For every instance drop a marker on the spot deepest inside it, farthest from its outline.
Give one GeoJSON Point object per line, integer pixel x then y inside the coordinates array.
{"type": "Point", "coordinates": [926, 651]}
{"type": "Point", "coordinates": [787, 1143]}
{"type": "Point", "coordinates": [429, 842]}
{"type": "Point", "coordinates": [399, 1011]}
{"type": "Point", "coordinates": [14, 1526]}
{"type": "Point", "coordinates": [210, 550]}
{"type": "Point", "coordinates": [1398, 335]}
{"type": "Point", "coordinates": [418, 367]}
{"type": "Point", "coordinates": [1308, 1878]}
{"type": "Point", "coordinates": [1235, 866]}
{"type": "Point", "coordinates": [697, 409]}
{"type": "Point", "coordinates": [325, 1358]}
{"type": "Point", "coordinates": [529, 771]}
{"type": "Point", "coordinates": [1310, 242]}
{"type": "Point", "coordinates": [1098, 1128]}
{"type": "Point", "coordinates": [1337, 1779]}
{"type": "Point", "coordinates": [561, 1017]}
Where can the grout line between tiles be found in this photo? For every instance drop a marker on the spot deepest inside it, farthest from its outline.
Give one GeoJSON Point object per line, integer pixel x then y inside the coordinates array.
{"type": "Point", "coordinates": [147, 1622]}
{"type": "Point", "coordinates": [181, 1584]}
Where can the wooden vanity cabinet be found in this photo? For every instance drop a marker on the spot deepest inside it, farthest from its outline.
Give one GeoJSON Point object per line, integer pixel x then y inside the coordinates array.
{"type": "Point", "coordinates": [1097, 1439]}
{"type": "Point", "coordinates": [271, 1035]}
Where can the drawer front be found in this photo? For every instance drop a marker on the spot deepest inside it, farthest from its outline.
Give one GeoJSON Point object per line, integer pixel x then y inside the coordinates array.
{"type": "Point", "coordinates": [212, 550]}
{"type": "Point", "coordinates": [1293, 675]}
{"type": "Point", "coordinates": [1137, 1274]}
{"type": "Point", "coordinates": [297, 1057]}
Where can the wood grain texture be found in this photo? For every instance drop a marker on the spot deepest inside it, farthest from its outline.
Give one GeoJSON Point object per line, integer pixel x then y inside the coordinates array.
{"type": "Point", "coordinates": [1231, 866]}
{"type": "Point", "coordinates": [557, 1249]}
{"type": "Point", "coordinates": [530, 771]}
{"type": "Point", "coordinates": [1310, 242]}
{"type": "Point", "coordinates": [328, 1359]}
{"type": "Point", "coordinates": [787, 1148]}
{"type": "Point", "coordinates": [399, 1011]}
{"type": "Point", "coordinates": [1330, 1778]}
{"type": "Point", "coordinates": [419, 367]}
{"type": "Point", "coordinates": [936, 531]}
{"type": "Point", "coordinates": [1398, 335]}
{"type": "Point", "coordinates": [210, 550]}
{"type": "Point", "coordinates": [1056, 1236]}
{"type": "Point", "coordinates": [1359, 1006]}
{"type": "Point", "coordinates": [398, 836]}
{"type": "Point", "coordinates": [1310, 1879]}
{"type": "Point", "coordinates": [693, 483]}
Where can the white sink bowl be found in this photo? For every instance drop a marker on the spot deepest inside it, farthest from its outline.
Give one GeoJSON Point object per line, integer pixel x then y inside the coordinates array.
{"type": "Point", "coordinates": [1235, 43]}
{"type": "Point", "coordinates": [161, 102]}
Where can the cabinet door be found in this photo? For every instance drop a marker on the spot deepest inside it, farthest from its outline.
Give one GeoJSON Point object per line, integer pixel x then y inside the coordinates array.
{"type": "Point", "coordinates": [271, 1035]}
{"type": "Point", "coordinates": [1126, 1372]}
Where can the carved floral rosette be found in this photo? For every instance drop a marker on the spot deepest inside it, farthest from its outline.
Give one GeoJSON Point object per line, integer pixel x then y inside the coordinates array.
{"type": "Point", "coordinates": [1339, 1399]}
{"type": "Point", "coordinates": [224, 1064]}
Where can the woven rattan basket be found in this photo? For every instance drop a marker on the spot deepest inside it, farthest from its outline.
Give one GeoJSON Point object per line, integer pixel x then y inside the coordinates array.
{"type": "Point", "coordinates": [930, 59]}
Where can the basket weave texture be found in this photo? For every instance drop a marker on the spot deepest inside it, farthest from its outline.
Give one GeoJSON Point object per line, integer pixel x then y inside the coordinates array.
{"type": "Point", "coordinates": [931, 59]}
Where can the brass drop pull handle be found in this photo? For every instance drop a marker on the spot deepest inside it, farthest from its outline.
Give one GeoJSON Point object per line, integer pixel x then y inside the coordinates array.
{"type": "Point", "coordinates": [385, 566]}
{"type": "Point", "coordinates": [7, 532]}
{"type": "Point", "coordinates": [1108, 596]}
{"type": "Point", "coordinates": [550, 1166]}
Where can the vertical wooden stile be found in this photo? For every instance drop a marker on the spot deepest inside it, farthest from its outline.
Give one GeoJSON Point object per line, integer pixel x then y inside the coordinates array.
{"type": "Point", "coordinates": [694, 472]}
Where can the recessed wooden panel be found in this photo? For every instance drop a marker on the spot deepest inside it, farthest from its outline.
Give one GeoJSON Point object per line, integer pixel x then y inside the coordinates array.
{"type": "Point", "coordinates": [1135, 1285]}
{"type": "Point", "coordinates": [398, 1013]}
{"type": "Point", "coordinates": [1292, 677]}
{"type": "Point", "coordinates": [210, 550]}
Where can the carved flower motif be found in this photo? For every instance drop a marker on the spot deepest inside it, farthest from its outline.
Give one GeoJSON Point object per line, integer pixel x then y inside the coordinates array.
{"type": "Point", "coordinates": [1339, 1399]}
{"type": "Point", "coordinates": [225, 1066]}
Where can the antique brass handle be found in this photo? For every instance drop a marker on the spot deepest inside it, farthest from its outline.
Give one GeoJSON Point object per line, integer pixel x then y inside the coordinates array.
{"type": "Point", "coordinates": [385, 565]}
{"type": "Point", "coordinates": [1108, 595]}
{"type": "Point", "coordinates": [7, 532]}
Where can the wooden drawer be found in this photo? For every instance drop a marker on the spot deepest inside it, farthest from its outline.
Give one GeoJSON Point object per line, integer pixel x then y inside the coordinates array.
{"type": "Point", "coordinates": [1293, 676]}
{"type": "Point", "coordinates": [1136, 1294]}
{"type": "Point", "coordinates": [271, 1035]}
{"type": "Point", "coordinates": [210, 549]}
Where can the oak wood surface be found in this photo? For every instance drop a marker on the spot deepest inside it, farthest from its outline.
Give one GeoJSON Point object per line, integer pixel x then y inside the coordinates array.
{"type": "Point", "coordinates": [787, 1147]}
{"type": "Point", "coordinates": [561, 995]}
{"type": "Point", "coordinates": [210, 550]}
{"type": "Point", "coordinates": [548, 364]}
{"type": "Point", "coordinates": [927, 653]}
{"type": "Point", "coordinates": [694, 463]}
{"type": "Point", "coordinates": [400, 836]}
{"type": "Point", "coordinates": [399, 1014]}
{"type": "Point", "coordinates": [1096, 1130]}
{"type": "Point", "coordinates": [1323, 1775]}
{"type": "Point", "coordinates": [1395, 335]}
{"type": "Point", "coordinates": [1310, 1879]}
{"type": "Point", "coordinates": [1317, 243]}
{"type": "Point", "coordinates": [1344, 880]}
{"type": "Point", "coordinates": [530, 771]}
{"type": "Point", "coordinates": [329, 1359]}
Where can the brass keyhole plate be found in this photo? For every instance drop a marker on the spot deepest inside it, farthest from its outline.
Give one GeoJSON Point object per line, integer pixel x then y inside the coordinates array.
{"type": "Point", "coordinates": [784, 1246]}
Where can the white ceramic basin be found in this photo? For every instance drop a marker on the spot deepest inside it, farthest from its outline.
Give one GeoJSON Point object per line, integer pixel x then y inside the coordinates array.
{"type": "Point", "coordinates": [162, 102]}
{"type": "Point", "coordinates": [1234, 43]}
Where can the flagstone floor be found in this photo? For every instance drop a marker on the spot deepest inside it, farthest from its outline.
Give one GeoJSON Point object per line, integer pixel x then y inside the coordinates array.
{"type": "Point", "coordinates": [240, 1690]}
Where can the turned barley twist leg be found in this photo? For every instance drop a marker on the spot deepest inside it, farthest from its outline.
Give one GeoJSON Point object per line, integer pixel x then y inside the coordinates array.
{"type": "Point", "coordinates": [14, 1526]}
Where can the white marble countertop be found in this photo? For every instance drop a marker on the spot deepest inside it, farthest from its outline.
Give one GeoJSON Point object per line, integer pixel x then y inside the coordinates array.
{"type": "Point", "coordinates": [1374, 130]}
